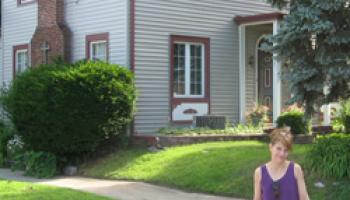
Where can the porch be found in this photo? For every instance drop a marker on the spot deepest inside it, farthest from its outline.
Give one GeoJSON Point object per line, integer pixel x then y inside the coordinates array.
{"type": "Point", "coordinates": [259, 71]}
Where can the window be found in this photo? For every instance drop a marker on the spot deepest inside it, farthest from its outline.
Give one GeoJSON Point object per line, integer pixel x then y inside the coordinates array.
{"type": "Point", "coordinates": [21, 59]}
{"type": "Point", "coordinates": [97, 47]}
{"type": "Point", "coordinates": [98, 50]}
{"type": "Point", "coordinates": [188, 73]}
{"type": "Point", "coordinates": [189, 77]}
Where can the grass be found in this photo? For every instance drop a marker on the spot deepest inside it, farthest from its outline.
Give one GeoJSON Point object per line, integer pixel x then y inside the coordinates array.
{"type": "Point", "coordinates": [236, 130]}
{"type": "Point", "coordinates": [11, 190]}
{"type": "Point", "coordinates": [224, 168]}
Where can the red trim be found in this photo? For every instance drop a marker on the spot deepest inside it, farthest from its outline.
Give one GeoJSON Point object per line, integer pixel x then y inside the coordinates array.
{"type": "Point", "coordinates": [190, 111]}
{"type": "Point", "coordinates": [15, 49]}
{"type": "Point", "coordinates": [96, 37]}
{"type": "Point", "coordinates": [176, 101]}
{"type": "Point", "coordinates": [258, 18]}
{"type": "Point", "coordinates": [184, 122]}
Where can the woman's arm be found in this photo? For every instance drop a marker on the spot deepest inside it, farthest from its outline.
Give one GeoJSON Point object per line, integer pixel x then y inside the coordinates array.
{"type": "Point", "coordinates": [303, 195]}
{"type": "Point", "coordinates": [257, 180]}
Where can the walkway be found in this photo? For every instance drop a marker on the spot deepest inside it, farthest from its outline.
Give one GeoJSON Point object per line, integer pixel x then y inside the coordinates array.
{"type": "Point", "coordinates": [122, 190]}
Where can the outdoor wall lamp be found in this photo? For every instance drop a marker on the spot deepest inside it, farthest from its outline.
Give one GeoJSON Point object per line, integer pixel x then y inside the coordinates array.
{"type": "Point", "coordinates": [251, 61]}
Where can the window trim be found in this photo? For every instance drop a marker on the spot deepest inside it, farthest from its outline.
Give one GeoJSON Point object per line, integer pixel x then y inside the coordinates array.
{"type": "Point", "coordinates": [16, 49]}
{"type": "Point", "coordinates": [90, 39]}
{"type": "Point", "coordinates": [20, 3]}
{"type": "Point", "coordinates": [175, 101]}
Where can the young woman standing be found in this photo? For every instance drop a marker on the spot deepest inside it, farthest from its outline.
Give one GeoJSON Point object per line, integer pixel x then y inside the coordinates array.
{"type": "Point", "coordinates": [280, 179]}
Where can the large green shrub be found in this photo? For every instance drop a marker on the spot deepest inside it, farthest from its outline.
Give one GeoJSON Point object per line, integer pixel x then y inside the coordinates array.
{"type": "Point", "coordinates": [70, 109]}
{"type": "Point", "coordinates": [330, 155]}
{"type": "Point", "coordinates": [295, 120]}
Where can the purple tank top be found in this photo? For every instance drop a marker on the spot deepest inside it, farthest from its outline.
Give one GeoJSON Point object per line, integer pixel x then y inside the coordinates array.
{"type": "Point", "coordinates": [288, 188]}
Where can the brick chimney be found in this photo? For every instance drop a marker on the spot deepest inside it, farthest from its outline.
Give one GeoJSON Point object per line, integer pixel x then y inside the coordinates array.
{"type": "Point", "coordinates": [51, 38]}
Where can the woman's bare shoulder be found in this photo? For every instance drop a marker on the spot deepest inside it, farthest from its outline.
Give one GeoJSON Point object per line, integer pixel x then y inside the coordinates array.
{"type": "Point", "coordinates": [297, 166]}
{"type": "Point", "coordinates": [257, 172]}
{"type": "Point", "coordinates": [297, 170]}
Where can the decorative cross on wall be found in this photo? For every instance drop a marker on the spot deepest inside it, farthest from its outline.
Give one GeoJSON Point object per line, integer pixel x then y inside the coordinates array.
{"type": "Point", "coordinates": [45, 48]}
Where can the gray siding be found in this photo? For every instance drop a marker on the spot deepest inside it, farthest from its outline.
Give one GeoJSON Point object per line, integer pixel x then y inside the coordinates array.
{"type": "Point", "coordinates": [83, 18]}
{"type": "Point", "coordinates": [156, 20]}
{"type": "Point", "coordinates": [1, 59]}
{"type": "Point", "coordinates": [90, 17]}
{"type": "Point", "coordinates": [18, 26]}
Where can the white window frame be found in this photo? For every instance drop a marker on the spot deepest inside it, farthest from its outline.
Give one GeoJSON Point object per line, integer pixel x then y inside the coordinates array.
{"type": "Point", "coordinates": [98, 42]}
{"type": "Point", "coordinates": [16, 59]}
{"type": "Point", "coordinates": [188, 70]}
{"type": "Point", "coordinates": [26, 1]}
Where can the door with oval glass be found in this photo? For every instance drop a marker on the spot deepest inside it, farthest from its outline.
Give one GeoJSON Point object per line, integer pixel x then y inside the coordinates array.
{"type": "Point", "coordinates": [265, 79]}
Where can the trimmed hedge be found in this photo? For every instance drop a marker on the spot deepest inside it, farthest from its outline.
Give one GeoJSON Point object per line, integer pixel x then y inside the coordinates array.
{"type": "Point", "coordinates": [330, 155]}
{"type": "Point", "coordinates": [295, 120]}
{"type": "Point", "coordinates": [69, 109]}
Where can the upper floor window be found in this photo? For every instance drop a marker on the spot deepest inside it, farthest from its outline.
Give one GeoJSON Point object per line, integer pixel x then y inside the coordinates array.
{"type": "Point", "coordinates": [21, 58]}
{"type": "Point", "coordinates": [97, 47]}
{"type": "Point", "coordinates": [98, 50]}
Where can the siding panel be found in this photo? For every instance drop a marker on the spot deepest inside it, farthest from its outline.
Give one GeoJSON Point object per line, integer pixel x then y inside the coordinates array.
{"type": "Point", "coordinates": [18, 26]}
{"type": "Point", "coordinates": [156, 20]}
{"type": "Point", "coordinates": [94, 16]}
{"type": "Point", "coordinates": [83, 18]}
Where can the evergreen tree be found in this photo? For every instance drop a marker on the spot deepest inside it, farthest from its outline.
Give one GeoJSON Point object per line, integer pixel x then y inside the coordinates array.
{"type": "Point", "coordinates": [314, 39]}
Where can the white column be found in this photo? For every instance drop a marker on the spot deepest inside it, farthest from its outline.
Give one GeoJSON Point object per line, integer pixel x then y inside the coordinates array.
{"type": "Point", "coordinates": [326, 109]}
{"type": "Point", "coordinates": [327, 115]}
{"type": "Point", "coordinates": [242, 78]}
{"type": "Point", "coordinates": [276, 79]}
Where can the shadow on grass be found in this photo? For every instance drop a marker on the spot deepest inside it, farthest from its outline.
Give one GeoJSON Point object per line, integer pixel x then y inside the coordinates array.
{"type": "Point", "coordinates": [223, 168]}
{"type": "Point", "coordinates": [217, 168]}
{"type": "Point", "coordinates": [104, 167]}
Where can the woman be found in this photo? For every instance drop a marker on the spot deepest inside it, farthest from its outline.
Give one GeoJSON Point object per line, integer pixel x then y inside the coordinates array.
{"type": "Point", "coordinates": [280, 179]}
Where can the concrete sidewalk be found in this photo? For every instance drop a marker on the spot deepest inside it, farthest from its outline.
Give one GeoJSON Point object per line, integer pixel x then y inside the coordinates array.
{"type": "Point", "coordinates": [122, 190]}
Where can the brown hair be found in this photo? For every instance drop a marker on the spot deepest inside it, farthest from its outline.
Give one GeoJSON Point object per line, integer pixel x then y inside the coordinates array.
{"type": "Point", "coordinates": [282, 135]}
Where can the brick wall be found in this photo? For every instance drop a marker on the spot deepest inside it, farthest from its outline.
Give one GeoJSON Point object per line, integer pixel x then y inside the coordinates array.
{"type": "Point", "coordinates": [51, 29]}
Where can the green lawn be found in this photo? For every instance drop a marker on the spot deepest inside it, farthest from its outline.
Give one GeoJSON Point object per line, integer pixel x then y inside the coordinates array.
{"type": "Point", "coordinates": [224, 168]}
{"type": "Point", "coordinates": [10, 190]}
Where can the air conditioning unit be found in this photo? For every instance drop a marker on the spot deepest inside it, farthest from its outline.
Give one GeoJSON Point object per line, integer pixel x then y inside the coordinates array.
{"type": "Point", "coordinates": [210, 121]}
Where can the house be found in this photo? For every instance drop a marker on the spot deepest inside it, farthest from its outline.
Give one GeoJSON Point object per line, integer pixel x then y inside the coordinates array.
{"type": "Point", "coordinates": [190, 57]}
